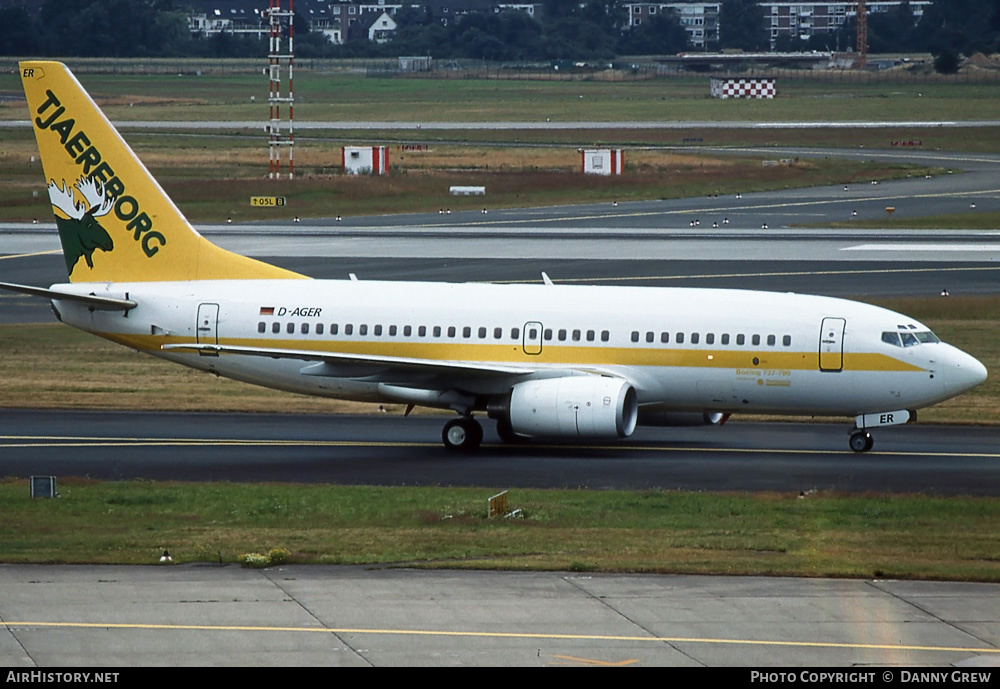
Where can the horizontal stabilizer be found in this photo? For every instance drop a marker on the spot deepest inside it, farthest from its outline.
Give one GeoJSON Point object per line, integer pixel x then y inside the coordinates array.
{"type": "Point", "coordinates": [92, 300]}
{"type": "Point", "coordinates": [397, 362]}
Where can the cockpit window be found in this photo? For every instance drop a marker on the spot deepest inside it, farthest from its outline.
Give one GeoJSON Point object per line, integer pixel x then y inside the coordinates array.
{"type": "Point", "coordinates": [908, 338]}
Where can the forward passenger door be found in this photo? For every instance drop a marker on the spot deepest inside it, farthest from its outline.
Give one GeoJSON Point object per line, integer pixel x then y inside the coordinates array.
{"type": "Point", "coordinates": [831, 344]}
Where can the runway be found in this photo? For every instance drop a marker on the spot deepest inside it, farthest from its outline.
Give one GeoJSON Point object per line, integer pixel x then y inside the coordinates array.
{"type": "Point", "coordinates": [391, 450]}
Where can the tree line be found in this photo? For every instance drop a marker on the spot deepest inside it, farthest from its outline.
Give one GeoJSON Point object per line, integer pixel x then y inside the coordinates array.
{"type": "Point", "coordinates": [568, 29]}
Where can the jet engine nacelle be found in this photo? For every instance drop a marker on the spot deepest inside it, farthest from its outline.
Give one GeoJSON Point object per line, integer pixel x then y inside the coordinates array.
{"type": "Point", "coordinates": [573, 407]}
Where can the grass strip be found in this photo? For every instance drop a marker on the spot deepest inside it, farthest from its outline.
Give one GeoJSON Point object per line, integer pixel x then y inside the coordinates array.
{"type": "Point", "coordinates": [211, 179]}
{"type": "Point", "coordinates": [813, 535]}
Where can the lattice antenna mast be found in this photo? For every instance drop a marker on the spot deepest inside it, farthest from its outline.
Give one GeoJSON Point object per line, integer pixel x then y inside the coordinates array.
{"type": "Point", "coordinates": [862, 38]}
{"type": "Point", "coordinates": [277, 61]}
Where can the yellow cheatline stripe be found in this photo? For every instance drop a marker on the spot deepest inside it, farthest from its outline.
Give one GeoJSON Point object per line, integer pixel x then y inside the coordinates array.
{"type": "Point", "coordinates": [496, 635]}
{"type": "Point", "coordinates": [28, 441]}
{"type": "Point", "coordinates": [552, 354]}
{"type": "Point", "coordinates": [34, 253]}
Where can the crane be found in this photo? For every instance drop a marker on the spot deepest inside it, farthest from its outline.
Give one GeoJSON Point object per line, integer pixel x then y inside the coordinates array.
{"type": "Point", "coordinates": [862, 38]}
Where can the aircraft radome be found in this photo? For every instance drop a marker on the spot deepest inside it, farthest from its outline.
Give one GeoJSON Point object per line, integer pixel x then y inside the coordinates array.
{"type": "Point", "coordinates": [547, 361]}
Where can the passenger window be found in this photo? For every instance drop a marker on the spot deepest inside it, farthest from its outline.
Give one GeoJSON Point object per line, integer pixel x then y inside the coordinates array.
{"type": "Point", "coordinates": [377, 331]}
{"type": "Point", "coordinates": [664, 337]}
{"type": "Point", "coordinates": [466, 332]}
{"type": "Point", "coordinates": [548, 334]}
{"type": "Point", "coordinates": [515, 333]}
{"type": "Point", "coordinates": [276, 327]}
{"type": "Point", "coordinates": [349, 329]}
{"type": "Point", "coordinates": [363, 329]}
{"type": "Point", "coordinates": [605, 336]}
{"type": "Point", "coordinates": [650, 336]}
{"type": "Point", "coordinates": [497, 333]}
{"type": "Point", "coordinates": [562, 334]}
{"type": "Point", "coordinates": [305, 329]}
{"type": "Point", "coordinates": [695, 337]}
{"type": "Point", "coordinates": [576, 336]}
{"type": "Point", "coordinates": [771, 340]}
{"type": "Point", "coordinates": [290, 328]}
{"type": "Point", "coordinates": [787, 340]}
{"type": "Point", "coordinates": [407, 330]}
{"type": "Point", "coordinates": [679, 338]}
{"type": "Point", "coordinates": [262, 327]}
{"type": "Point", "coordinates": [392, 331]}
{"type": "Point", "coordinates": [482, 333]}
{"type": "Point", "coordinates": [319, 328]}
{"type": "Point", "coordinates": [741, 340]}
{"type": "Point", "coordinates": [635, 335]}
{"type": "Point", "coordinates": [590, 335]}
{"type": "Point", "coordinates": [756, 340]}
{"type": "Point", "coordinates": [333, 328]}
{"type": "Point", "coordinates": [710, 338]}
{"type": "Point", "coordinates": [451, 331]}
{"type": "Point", "coordinates": [437, 331]}
{"type": "Point", "coordinates": [725, 338]}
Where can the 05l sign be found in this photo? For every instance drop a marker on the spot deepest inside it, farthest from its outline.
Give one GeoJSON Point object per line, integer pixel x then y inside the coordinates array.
{"type": "Point", "coordinates": [267, 201]}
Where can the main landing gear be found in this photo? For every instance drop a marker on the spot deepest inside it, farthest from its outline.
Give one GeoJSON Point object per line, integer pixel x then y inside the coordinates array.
{"type": "Point", "coordinates": [463, 434]}
{"type": "Point", "coordinates": [861, 441]}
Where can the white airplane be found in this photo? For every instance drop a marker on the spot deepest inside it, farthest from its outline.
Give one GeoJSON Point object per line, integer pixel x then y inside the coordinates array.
{"type": "Point", "coordinates": [552, 362]}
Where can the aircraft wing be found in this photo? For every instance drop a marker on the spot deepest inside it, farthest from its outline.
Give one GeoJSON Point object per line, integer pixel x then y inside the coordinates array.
{"type": "Point", "coordinates": [91, 300]}
{"type": "Point", "coordinates": [398, 363]}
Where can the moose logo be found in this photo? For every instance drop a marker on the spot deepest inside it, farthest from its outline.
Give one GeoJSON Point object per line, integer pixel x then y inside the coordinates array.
{"type": "Point", "coordinates": [80, 232]}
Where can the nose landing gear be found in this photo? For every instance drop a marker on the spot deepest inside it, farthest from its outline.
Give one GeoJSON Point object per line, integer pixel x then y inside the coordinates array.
{"type": "Point", "coordinates": [861, 441]}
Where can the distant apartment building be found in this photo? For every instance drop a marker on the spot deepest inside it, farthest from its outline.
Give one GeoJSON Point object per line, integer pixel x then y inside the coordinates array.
{"type": "Point", "coordinates": [801, 20]}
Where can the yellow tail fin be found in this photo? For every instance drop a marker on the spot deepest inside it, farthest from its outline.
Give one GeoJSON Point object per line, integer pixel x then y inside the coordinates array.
{"type": "Point", "coordinates": [115, 222]}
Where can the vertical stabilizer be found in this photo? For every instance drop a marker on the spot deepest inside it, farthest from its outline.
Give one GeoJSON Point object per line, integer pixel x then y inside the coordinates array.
{"type": "Point", "coordinates": [115, 222]}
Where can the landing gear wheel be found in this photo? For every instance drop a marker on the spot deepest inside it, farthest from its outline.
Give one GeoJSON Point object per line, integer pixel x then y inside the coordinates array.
{"type": "Point", "coordinates": [462, 434]}
{"type": "Point", "coordinates": [861, 441]}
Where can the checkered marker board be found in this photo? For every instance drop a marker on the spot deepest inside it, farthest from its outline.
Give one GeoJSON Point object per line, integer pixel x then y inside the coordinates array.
{"type": "Point", "coordinates": [743, 88]}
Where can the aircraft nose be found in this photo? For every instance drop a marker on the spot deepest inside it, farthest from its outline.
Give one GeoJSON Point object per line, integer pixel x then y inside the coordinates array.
{"type": "Point", "coordinates": [967, 372]}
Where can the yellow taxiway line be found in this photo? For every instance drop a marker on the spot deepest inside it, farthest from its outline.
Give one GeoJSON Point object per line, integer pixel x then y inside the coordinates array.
{"type": "Point", "coordinates": [10, 624]}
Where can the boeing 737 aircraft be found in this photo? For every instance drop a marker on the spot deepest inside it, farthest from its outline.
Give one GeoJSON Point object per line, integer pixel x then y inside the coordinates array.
{"type": "Point", "coordinates": [551, 362]}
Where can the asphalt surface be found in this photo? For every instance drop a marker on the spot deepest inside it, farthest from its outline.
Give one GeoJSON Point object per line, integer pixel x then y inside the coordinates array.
{"type": "Point", "coordinates": [394, 451]}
